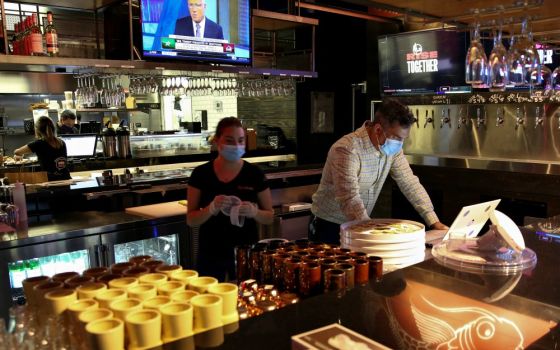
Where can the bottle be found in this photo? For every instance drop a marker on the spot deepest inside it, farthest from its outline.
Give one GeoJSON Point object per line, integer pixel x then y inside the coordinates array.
{"type": "Point", "coordinates": [36, 37]}
{"type": "Point", "coordinates": [27, 36]}
{"type": "Point", "coordinates": [51, 37]}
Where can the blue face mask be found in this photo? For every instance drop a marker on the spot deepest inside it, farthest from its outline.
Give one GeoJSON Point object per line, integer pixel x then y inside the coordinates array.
{"type": "Point", "coordinates": [391, 146]}
{"type": "Point", "coordinates": [232, 152]}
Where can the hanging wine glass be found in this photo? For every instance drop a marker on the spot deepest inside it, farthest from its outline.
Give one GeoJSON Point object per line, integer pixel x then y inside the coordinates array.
{"type": "Point", "coordinates": [555, 79]}
{"type": "Point", "coordinates": [541, 79]}
{"type": "Point", "coordinates": [476, 61]}
{"type": "Point", "coordinates": [523, 58]}
{"type": "Point", "coordinates": [497, 63]}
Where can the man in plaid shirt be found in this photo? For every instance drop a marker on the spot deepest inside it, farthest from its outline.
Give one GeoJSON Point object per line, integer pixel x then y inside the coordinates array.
{"type": "Point", "coordinates": [356, 168]}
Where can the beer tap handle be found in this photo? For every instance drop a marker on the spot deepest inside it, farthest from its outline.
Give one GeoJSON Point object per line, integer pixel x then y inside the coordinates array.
{"type": "Point", "coordinates": [442, 120]}
{"type": "Point", "coordinates": [477, 117]}
{"type": "Point", "coordinates": [518, 119]}
{"type": "Point", "coordinates": [426, 122]}
{"type": "Point", "coordinates": [449, 117]}
{"type": "Point", "coordinates": [432, 120]}
{"type": "Point", "coordinates": [417, 115]}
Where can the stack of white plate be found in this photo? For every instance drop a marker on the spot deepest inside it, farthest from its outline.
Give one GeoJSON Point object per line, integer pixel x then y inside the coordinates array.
{"type": "Point", "coordinates": [398, 242]}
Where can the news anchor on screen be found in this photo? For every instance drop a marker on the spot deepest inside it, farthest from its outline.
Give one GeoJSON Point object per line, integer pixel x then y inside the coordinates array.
{"type": "Point", "coordinates": [197, 24]}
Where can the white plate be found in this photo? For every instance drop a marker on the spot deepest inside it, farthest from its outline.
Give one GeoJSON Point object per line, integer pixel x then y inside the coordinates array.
{"type": "Point", "coordinates": [409, 260]}
{"type": "Point", "coordinates": [351, 230]}
{"type": "Point", "coordinates": [385, 238]}
{"type": "Point", "coordinates": [395, 253]}
{"type": "Point", "coordinates": [361, 243]}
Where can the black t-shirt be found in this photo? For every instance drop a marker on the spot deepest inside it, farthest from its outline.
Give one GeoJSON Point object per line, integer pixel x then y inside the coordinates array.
{"type": "Point", "coordinates": [52, 160]}
{"type": "Point", "coordinates": [217, 236]}
{"type": "Point", "coordinates": [64, 129]}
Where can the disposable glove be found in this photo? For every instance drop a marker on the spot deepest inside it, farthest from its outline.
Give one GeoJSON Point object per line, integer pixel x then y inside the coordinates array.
{"type": "Point", "coordinates": [219, 203]}
{"type": "Point", "coordinates": [248, 209]}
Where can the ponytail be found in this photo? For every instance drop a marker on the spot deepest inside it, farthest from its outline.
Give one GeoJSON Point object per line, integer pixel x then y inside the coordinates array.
{"type": "Point", "coordinates": [44, 129]}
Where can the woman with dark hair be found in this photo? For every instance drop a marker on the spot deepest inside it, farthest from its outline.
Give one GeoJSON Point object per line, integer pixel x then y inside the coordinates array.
{"type": "Point", "coordinates": [227, 197]}
{"type": "Point", "coordinates": [50, 150]}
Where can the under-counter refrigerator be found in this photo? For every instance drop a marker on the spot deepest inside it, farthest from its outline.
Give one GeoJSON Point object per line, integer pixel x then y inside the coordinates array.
{"type": "Point", "coordinates": [92, 247]}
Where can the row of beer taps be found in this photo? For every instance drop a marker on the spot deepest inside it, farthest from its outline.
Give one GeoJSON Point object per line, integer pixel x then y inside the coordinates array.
{"type": "Point", "coordinates": [482, 117]}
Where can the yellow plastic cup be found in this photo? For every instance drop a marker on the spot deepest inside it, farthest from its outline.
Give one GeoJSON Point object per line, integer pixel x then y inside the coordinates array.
{"type": "Point", "coordinates": [201, 284]}
{"type": "Point", "coordinates": [207, 312]}
{"type": "Point", "coordinates": [90, 290]}
{"type": "Point", "coordinates": [168, 270]}
{"type": "Point", "coordinates": [107, 297]}
{"type": "Point", "coordinates": [170, 287]}
{"type": "Point", "coordinates": [28, 290]}
{"type": "Point", "coordinates": [183, 296]}
{"type": "Point", "coordinates": [156, 303]}
{"type": "Point", "coordinates": [59, 300]}
{"type": "Point", "coordinates": [123, 283]}
{"type": "Point", "coordinates": [79, 306]}
{"type": "Point", "coordinates": [228, 292]}
{"type": "Point", "coordinates": [153, 278]}
{"type": "Point", "coordinates": [144, 329]}
{"type": "Point", "coordinates": [121, 308]}
{"type": "Point", "coordinates": [88, 316]}
{"type": "Point", "coordinates": [184, 276]}
{"type": "Point", "coordinates": [106, 334]}
{"type": "Point", "coordinates": [177, 321]}
{"type": "Point", "coordinates": [142, 291]}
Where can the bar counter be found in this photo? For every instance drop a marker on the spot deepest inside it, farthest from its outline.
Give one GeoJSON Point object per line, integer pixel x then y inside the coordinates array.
{"type": "Point", "coordinates": [419, 307]}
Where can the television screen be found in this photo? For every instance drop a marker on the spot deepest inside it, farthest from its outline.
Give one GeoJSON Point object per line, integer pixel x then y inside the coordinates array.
{"type": "Point", "coordinates": [217, 31]}
{"type": "Point", "coordinates": [423, 62]}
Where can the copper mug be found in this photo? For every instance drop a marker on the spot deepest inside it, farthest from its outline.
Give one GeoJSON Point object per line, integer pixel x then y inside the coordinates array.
{"type": "Point", "coordinates": [278, 269]}
{"type": "Point", "coordinates": [267, 261]}
{"type": "Point", "coordinates": [361, 271]}
{"type": "Point", "coordinates": [291, 274]}
{"type": "Point", "coordinates": [349, 271]}
{"type": "Point", "coordinates": [310, 278]}
{"type": "Point", "coordinates": [242, 254]}
{"type": "Point", "coordinates": [375, 267]}
{"type": "Point", "coordinates": [335, 280]}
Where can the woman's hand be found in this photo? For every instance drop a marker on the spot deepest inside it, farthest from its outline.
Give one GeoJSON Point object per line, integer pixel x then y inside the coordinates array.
{"type": "Point", "coordinates": [220, 202]}
{"type": "Point", "coordinates": [248, 209]}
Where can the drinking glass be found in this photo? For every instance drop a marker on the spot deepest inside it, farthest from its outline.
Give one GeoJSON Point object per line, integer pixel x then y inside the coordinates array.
{"type": "Point", "coordinates": [556, 79]}
{"type": "Point", "coordinates": [476, 61]}
{"type": "Point", "coordinates": [498, 64]}
{"type": "Point", "coordinates": [523, 58]}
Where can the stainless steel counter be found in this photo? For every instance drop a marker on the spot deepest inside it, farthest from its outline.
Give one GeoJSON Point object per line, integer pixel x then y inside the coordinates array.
{"type": "Point", "coordinates": [487, 163]}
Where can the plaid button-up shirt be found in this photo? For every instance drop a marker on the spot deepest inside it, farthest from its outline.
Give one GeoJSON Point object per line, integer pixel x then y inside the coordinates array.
{"type": "Point", "coordinates": [353, 176]}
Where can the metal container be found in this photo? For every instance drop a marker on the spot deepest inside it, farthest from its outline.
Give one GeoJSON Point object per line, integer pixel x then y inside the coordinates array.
{"type": "Point", "coordinates": [109, 140]}
{"type": "Point", "coordinates": [123, 143]}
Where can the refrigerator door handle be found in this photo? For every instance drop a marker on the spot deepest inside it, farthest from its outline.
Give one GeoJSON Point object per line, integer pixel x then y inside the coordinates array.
{"type": "Point", "coordinates": [102, 255]}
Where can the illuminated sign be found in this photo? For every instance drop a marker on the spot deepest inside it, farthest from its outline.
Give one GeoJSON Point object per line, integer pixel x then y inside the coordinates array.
{"type": "Point", "coordinates": [419, 61]}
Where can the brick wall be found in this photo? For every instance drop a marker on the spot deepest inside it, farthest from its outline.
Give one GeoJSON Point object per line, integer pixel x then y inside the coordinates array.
{"type": "Point", "coordinates": [274, 111]}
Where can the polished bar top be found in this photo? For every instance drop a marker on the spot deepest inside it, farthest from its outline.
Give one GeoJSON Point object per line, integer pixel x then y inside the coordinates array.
{"type": "Point", "coordinates": [275, 167]}
{"type": "Point", "coordinates": [76, 224]}
{"type": "Point", "coordinates": [419, 307]}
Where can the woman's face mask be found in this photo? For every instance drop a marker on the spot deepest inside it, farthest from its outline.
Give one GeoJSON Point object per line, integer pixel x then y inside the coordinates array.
{"type": "Point", "coordinates": [232, 152]}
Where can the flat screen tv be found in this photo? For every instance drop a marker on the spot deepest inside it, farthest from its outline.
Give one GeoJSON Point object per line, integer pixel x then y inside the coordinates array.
{"type": "Point", "coordinates": [217, 31]}
{"type": "Point", "coordinates": [423, 62]}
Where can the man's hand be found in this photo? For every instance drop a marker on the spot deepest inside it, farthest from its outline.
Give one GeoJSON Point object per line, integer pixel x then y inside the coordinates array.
{"type": "Point", "coordinates": [439, 226]}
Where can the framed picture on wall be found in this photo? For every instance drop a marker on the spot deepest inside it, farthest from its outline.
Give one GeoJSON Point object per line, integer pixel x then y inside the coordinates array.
{"type": "Point", "coordinates": [322, 112]}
